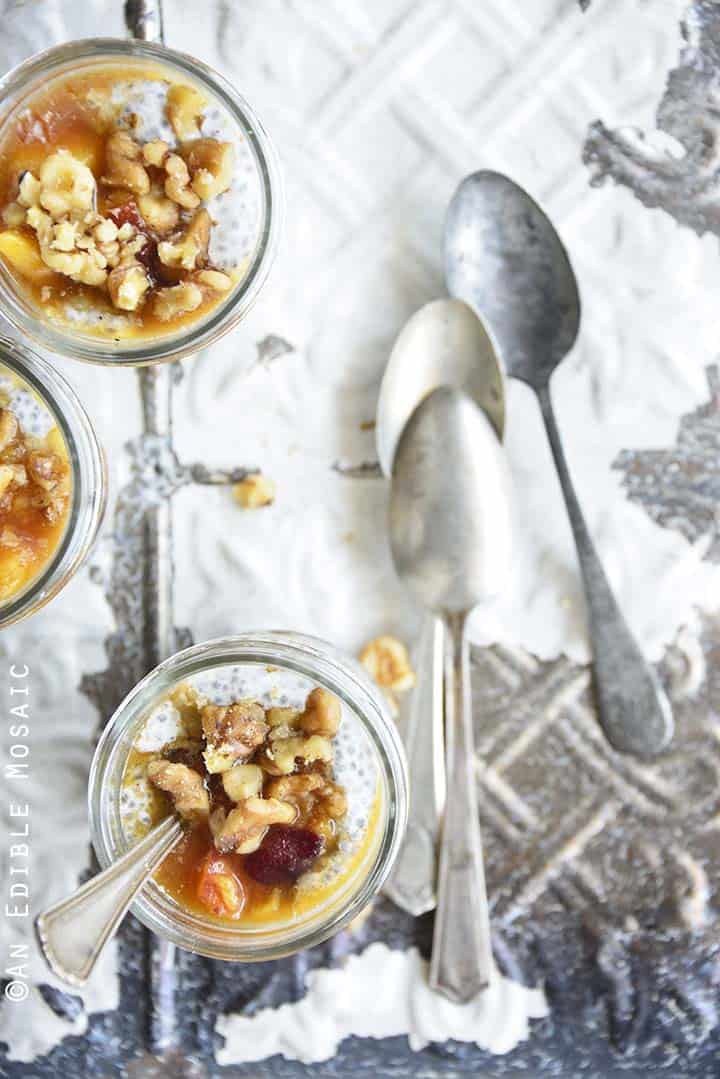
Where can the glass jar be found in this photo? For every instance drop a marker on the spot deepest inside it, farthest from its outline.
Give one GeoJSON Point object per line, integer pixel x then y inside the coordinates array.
{"type": "Point", "coordinates": [20, 84]}
{"type": "Point", "coordinates": [293, 655]}
{"type": "Point", "coordinates": [89, 480]}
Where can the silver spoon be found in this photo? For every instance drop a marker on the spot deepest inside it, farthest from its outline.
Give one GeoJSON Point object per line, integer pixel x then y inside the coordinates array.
{"type": "Point", "coordinates": [444, 343]}
{"type": "Point", "coordinates": [450, 534]}
{"type": "Point", "coordinates": [503, 256]}
{"type": "Point", "coordinates": [73, 932]}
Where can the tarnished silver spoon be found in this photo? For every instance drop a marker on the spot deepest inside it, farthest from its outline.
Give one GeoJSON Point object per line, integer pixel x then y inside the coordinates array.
{"type": "Point", "coordinates": [504, 257]}
{"type": "Point", "coordinates": [450, 533]}
{"type": "Point", "coordinates": [73, 932]}
{"type": "Point", "coordinates": [444, 343]}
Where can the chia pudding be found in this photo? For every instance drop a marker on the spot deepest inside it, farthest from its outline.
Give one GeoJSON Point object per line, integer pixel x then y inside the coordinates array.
{"type": "Point", "coordinates": [278, 786]}
{"type": "Point", "coordinates": [35, 486]}
{"type": "Point", "coordinates": [131, 202]}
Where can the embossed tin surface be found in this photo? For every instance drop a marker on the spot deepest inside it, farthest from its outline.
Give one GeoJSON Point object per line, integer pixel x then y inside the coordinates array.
{"type": "Point", "coordinates": [604, 874]}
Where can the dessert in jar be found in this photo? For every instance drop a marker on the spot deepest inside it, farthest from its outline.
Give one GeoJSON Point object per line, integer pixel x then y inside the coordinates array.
{"type": "Point", "coordinates": [130, 199]}
{"type": "Point", "coordinates": [277, 785]}
{"type": "Point", "coordinates": [35, 486]}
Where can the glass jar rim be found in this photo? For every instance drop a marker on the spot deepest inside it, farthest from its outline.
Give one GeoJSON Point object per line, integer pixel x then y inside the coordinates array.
{"type": "Point", "coordinates": [89, 489]}
{"type": "Point", "coordinates": [228, 313]}
{"type": "Point", "coordinates": [299, 653]}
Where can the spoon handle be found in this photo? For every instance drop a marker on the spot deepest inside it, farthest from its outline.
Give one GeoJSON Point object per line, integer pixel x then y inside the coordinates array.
{"type": "Point", "coordinates": [412, 884]}
{"type": "Point", "coordinates": [462, 963]}
{"type": "Point", "coordinates": [73, 932]}
{"type": "Point", "coordinates": [633, 708]}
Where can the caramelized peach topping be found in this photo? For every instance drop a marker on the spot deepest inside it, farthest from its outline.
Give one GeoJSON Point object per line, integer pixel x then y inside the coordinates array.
{"type": "Point", "coordinates": [35, 488]}
{"type": "Point", "coordinates": [249, 824]}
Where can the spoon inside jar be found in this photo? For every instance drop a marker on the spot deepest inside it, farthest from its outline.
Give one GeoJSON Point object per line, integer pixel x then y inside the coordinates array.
{"type": "Point", "coordinates": [73, 932]}
{"type": "Point", "coordinates": [444, 343]}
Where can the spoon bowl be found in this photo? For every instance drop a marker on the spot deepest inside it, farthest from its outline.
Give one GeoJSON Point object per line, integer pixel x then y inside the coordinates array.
{"type": "Point", "coordinates": [450, 523]}
{"type": "Point", "coordinates": [504, 257]}
{"type": "Point", "coordinates": [442, 344]}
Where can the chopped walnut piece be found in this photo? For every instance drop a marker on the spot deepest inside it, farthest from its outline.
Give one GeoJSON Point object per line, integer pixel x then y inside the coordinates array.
{"type": "Point", "coordinates": [160, 214]}
{"type": "Point", "coordinates": [46, 469]}
{"type": "Point", "coordinates": [322, 713]}
{"type": "Point", "coordinates": [282, 717]}
{"type": "Point", "coordinates": [184, 786]}
{"type": "Point", "coordinates": [123, 164]}
{"type": "Point", "coordinates": [245, 826]}
{"type": "Point", "coordinates": [233, 732]}
{"type": "Point", "coordinates": [242, 781]}
{"type": "Point", "coordinates": [282, 753]}
{"type": "Point", "coordinates": [184, 106]}
{"type": "Point", "coordinates": [9, 428]}
{"type": "Point", "coordinates": [67, 186]}
{"type": "Point", "coordinates": [387, 661]}
{"type": "Point", "coordinates": [155, 152]}
{"type": "Point", "coordinates": [311, 794]}
{"type": "Point", "coordinates": [254, 491]}
{"type": "Point", "coordinates": [211, 165]}
{"type": "Point", "coordinates": [214, 280]}
{"type": "Point", "coordinates": [29, 190]}
{"type": "Point", "coordinates": [190, 249]}
{"type": "Point", "coordinates": [105, 231]}
{"type": "Point", "coordinates": [177, 184]}
{"type": "Point", "coordinates": [176, 300]}
{"type": "Point", "coordinates": [127, 286]}
{"type": "Point", "coordinates": [6, 478]}
{"type": "Point", "coordinates": [14, 215]}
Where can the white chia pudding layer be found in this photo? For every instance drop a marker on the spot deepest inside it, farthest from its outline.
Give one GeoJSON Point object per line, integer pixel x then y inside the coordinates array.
{"type": "Point", "coordinates": [32, 414]}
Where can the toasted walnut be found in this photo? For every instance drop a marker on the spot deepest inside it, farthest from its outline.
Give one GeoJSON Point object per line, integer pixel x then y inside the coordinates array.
{"type": "Point", "coordinates": [242, 781]}
{"type": "Point", "coordinates": [211, 165]}
{"type": "Point", "coordinates": [123, 164]}
{"type": "Point", "coordinates": [127, 286]}
{"type": "Point", "coordinates": [177, 300]}
{"type": "Point", "coordinates": [42, 223]}
{"type": "Point", "coordinates": [283, 753]}
{"type": "Point", "coordinates": [29, 190]}
{"type": "Point", "coordinates": [89, 268]}
{"type": "Point", "coordinates": [312, 794]}
{"type": "Point", "coordinates": [254, 491]}
{"type": "Point", "coordinates": [322, 713]}
{"type": "Point", "coordinates": [155, 152]}
{"type": "Point", "coordinates": [46, 469]}
{"type": "Point", "coordinates": [9, 428]}
{"type": "Point", "coordinates": [233, 732]}
{"type": "Point", "coordinates": [190, 249]}
{"type": "Point", "coordinates": [177, 184]}
{"type": "Point", "coordinates": [65, 236]}
{"type": "Point", "coordinates": [106, 231]}
{"type": "Point", "coordinates": [67, 186]}
{"type": "Point", "coordinates": [386, 660]}
{"type": "Point", "coordinates": [214, 280]}
{"type": "Point", "coordinates": [184, 106]}
{"type": "Point", "coordinates": [14, 215]}
{"type": "Point", "coordinates": [282, 717]}
{"type": "Point", "coordinates": [245, 826]}
{"type": "Point", "coordinates": [6, 478]}
{"type": "Point", "coordinates": [184, 786]}
{"type": "Point", "coordinates": [216, 820]}
{"type": "Point", "coordinates": [159, 213]}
